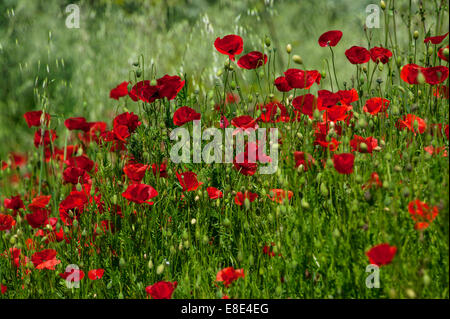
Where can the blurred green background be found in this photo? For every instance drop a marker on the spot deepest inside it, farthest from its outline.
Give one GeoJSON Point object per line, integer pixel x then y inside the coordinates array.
{"type": "Point", "coordinates": [80, 66]}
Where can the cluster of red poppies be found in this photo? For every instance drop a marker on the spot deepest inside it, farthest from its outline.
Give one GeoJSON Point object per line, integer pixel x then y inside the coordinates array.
{"type": "Point", "coordinates": [330, 113]}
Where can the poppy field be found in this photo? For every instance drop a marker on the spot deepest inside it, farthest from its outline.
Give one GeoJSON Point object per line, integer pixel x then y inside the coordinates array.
{"type": "Point", "coordinates": [94, 203]}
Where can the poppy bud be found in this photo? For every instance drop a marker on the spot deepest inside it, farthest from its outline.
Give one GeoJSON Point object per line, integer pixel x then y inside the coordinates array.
{"type": "Point", "coordinates": [416, 34]}
{"type": "Point", "coordinates": [304, 203]}
{"type": "Point", "coordinates": [297, 59]}
{"type": "Point", "coordinates": [122, 262]}
{"type": "Point", "coordinates": [399, 61]}
{"type": "Point", "coordinates": [410, 293]}
{"type": "Point", "coordinates": [205, 239]}
{"type": "Point", "coordinates": [75, 223]}
{"type": "Point", "coordinates": [405, 192]}
{"type": "Point", "coordinates": [316, 114]}
{"type": "Point", "coordinates": [289, 48]}
{"type": "Point", "coordinates": [227, 222]}
{"type": "Point", "coordinates": [324, 189]}
{"type": "Point", "coordinates": [193, 221]}
{"type": "Point", "coordinates": [380, 66]}
{"type": "Point", "coordinates": [330, 162]}
{"type": "Point", "coordinates": [426, 280]}
{"type": "Point", "coordinates": [445, 52]}
{"type": "Point", "coordinates": [323, 74]}
{"type": "Point", "coordinates": [153, 82]}
{"type": "Point", "coordinates": [219, 72]}
{"type": "Point", "coordinates": [251, 260]}
{"type": "Point", "coordinates": [160, 269]}
{"type": "Point", "coordinates": [250, 98]}
{"type": "Point", "coordinates": [358, 178]}
{"type": "Point", "coordinates": [138, 73]}
{"type": "Point", "coordinates": [365, 69]}
{"type": "Point", "coordinates": [363, 147]}
{"type": "Point", "coordinates": [267, 41]}
{"type": "Point", "coordinates": [136, 63]}
{"type": "Point", "coordinates": [233, 85]}
{"type": "Point", "coordinates": [114, 199]}
{"type": "Point", "coordinates": [247, 203]}
{"type": "Point", "coordinates": [382, 5]}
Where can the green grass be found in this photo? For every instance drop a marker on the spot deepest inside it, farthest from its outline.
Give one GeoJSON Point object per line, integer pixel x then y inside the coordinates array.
{"type": "Point", "coordinates": [322, 234]}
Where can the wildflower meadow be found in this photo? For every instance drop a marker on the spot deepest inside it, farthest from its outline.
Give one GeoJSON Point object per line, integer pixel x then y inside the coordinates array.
{"type": "Point", "coordinates": [224, 149]}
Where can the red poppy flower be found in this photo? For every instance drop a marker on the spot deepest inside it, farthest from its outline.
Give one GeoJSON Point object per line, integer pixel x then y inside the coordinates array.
{"type": "Point", "coordinates": [441, 91]}
{"type": "Point", "coordinates": [45, 259]}
{"type": "Point", "coordinates": [81, 161]}
{"type": "Point", "coordinates": [232, 98]}
{"type": "Point", "coordinates": [130, 120]}
{"type": "Point", "coordinates": [140, 193]}
{"type": "Point", "coordinates": [407, 121]}
{"type": "Point", "coordinates": [245, 166]}
{"type": "Point", "coordinates": [252, 60]}
{"type": "Point", "coordinates": [228, 275]}
{"type": "Point", "coordinates": [95, 274]}
{"type": "Point", "coordinates": [374, 180]}
{"type": "Point", "coordinates": [381, 254]}
{"type": "Point", "coordinates": [33, 118]}
{"type": "Point", "coordinates": [230, 45]}
{"type": "Point", "coordinates": [270, 113]}
{"type": "Point", "coordinates": [77, 123]}
{"type": "Point", "coordinates": [39, 202]}
{"type": "Point", "coordinates": [224, 123]}
{"type": "Point", "coordinates": [336, 113]}
{"type": "Point", "coordinates": [380, 54]}
{"type": "Point", "coordinates": [306, 104]}
{"type": "Point", "coordinates": [15, 203]}
{"type": "Point", "coordinates": [3, 289]}
{"type": "Point", "coordinates": [370, 143]}
{"type": "Point", "coordinates": [72, 206]}
{"type": "Point", "coordinates": [321, 132]}
{"type": "Point", "coordinates": [376, 105]}
{"type": "Point", "coordinates": [436, 39]}
{"type": "Point", "coordinates": [162, 169]}
{"type": "Point", "coordinates": [357, 55]}
{"type": "Point", "coordinates": [121, 133]}
{"type": "Point", "coordinates": [44, 140]}
{"type": "Point", "coordinates": [278, 195]}
{"type": "Point", "coordinates": [119, 91]}
{"type": "Point", "coordinates": [300, 79]}
{"type": "Point", "coordinates": [302, 158]}
{"type": "Point", "coordinates": [188, 180]}
{"type": "Point", "coordinates": [282, 84]}
{"type": "Point", "coordinates": [214, 193]}
{"type": "Point", "coordinates": [326, 99]}
{"type": "Point", "coordinates": [184, 115]}
{"type": "Point", "coordinates": [144, 92]}
{"type": "Point", "coordinates": [330, 38]}
{"type": "Point", "coordinates": [435, 75]}
{"type": "Point", "coordinates": [244, 122]}
{"type": "Point", "coordinates": [38, 218]}
{"type": "Point", "coordinates": [135, 172]}
{"type": "Point", "coordinates": [441, 53]}
{"type": "Point", "coordinates": [240, 197]}
{"type": "Point", "coordinates": [74, 275]}
{"type": "Point", "coordinates": [436, 150]}
{"type": "Point", "coordinates": [422, 214]}
{"type": "Point", "coordinates": [75, 175]}
{"type": "Point", "coordinates": [410, 72]}
{"type": "Point", "coordinates": [348, 96]}
{"type": "Point", "coordinates": [343, 163]}
{"type": "Point", "coordinates": [169, 86]}
{"type": "Point", "coordinates": [6, 222]}
{"type": "Point", "coordinates": [161, 290]}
